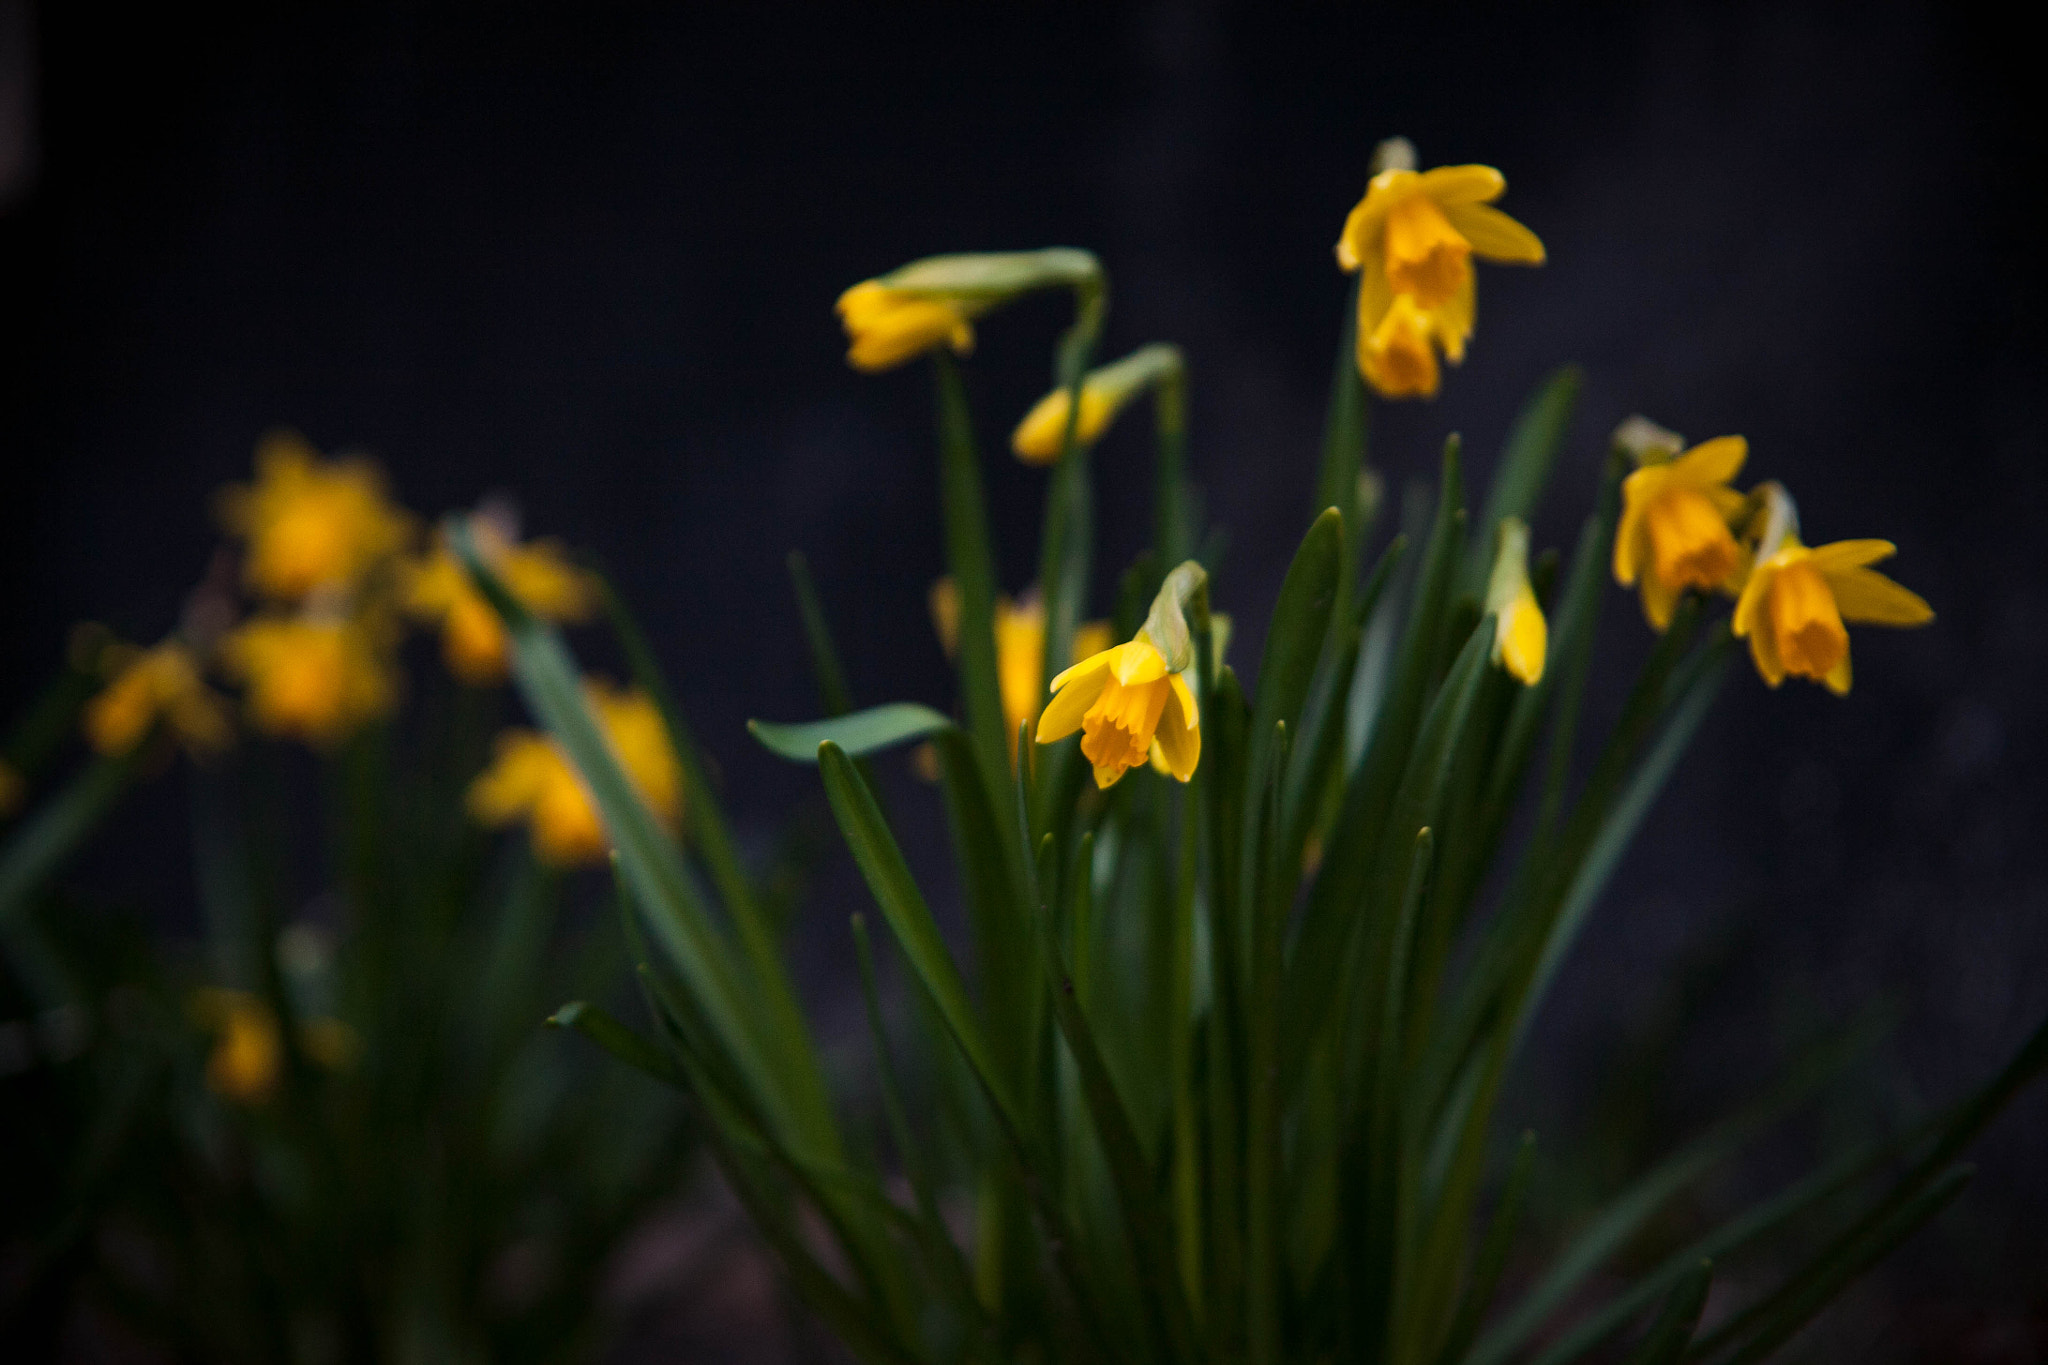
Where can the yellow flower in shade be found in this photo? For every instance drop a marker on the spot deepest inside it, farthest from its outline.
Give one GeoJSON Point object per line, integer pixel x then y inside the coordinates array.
{"type": "Point", "coordinates": [538, 573]}
{"type": "Point", "coordinates": [248, 1050]}
{"type": "Point", "coordinates": [1414, 236]}
{"type": "Point", "coordinates": [151, 685]}
{"type": "Point", "coordinates": [311, 523]}
{"type": "Point", "coordinates": [1674, 526]}
{"type": "Point", "coordinates": [1520, 636]}
{"type": "Point", "coordinates": [530, 778]}
{"type": "Point", "coordinates": [1020, 647]}
{"type": "Point", "coordinates": [1105, 392]}
{"type": "Point", "coordinates": [308, 677]}
{"type": "Point", "coordinates": [1796, 602]}
{"type": "Point", "coordinates": [1124, 702]}
{"type": "Point", "coordinates": [886, 326]}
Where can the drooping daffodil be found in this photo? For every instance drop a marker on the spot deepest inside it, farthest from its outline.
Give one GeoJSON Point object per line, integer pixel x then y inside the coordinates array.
{"type": "Point", "coordinates": [1521, 637]}
{"type": "Point", "coordinates": [311, 524]}
{"type": "Point", "coordinates": [162, 683]}
{"type": "Point", "coordinates": [1412, 238]}
{"type": "Point", "coordinates": [1105, 392]}
{"type": "Point", "coordinates": [932, 303]}
{"type": "Point", "coordinates": [312, 676]}
{"type": "Point", "coordinates": [1131, 702]}
{"type": "Point", "coordinates": [530, 778]}
{"type": "Point", "coordinates": [1020, 647]}
{"type": "Point", "coordinates": [1795, 606]}
{"type": "Point", "coordinates": [538, 573]}
{"type": "Point", "coordinates": [1674, 532]}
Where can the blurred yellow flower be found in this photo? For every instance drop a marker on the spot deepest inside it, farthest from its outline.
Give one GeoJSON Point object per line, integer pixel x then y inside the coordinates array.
{"type": "Point", "coordinates": [162, 683]}
{"type": "Point", "coordinates": [311, 523]}
{"type": "Point", "coordinates": [312, 678]}
{"type": "Point", "coordinates": [530, 778]}
{"type": "Point", "coordinates": [538, 573]}
{"type": "Point", "coordinates": [248, 1050]}
{"type": "Point", "coordinates": [1020, 647]}
{"type": "Point", "coordinates": [1105, 392]}
{"type": "Point", "coordinates": [886, 326]}
{"type": "Point", "coordinates": [1521, 637]}
{"type": "Point", "coordinates": [1674, 526]}
{"type": "Point", "coordinates": [1126, 704]}
{"type": "Point", "coordinates": [1413, 236]}
{"type": "Point", "coordinates": [1793, 608]}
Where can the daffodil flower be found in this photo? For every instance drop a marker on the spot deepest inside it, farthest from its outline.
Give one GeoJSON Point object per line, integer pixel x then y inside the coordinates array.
{"type": "Point", "coordinates": [1020, 647]}
{"type": "Point", "coordinates": [311, 677]}
{"type": "Point", "coordinates": [162, 683]}
{"type": "Point", "coordinates": [1131, 702]}
{"type": "Point", "coordinates": [1105, 392]}
{"type": "Point", "coordinates": [1794, 608]}
{"type": "Point", "coordinates": [311, 524]}
{"type": "Point", "coordinates": [933, 302]}
{"type": "Point", "coordinates": [1413, 237]}
{"type": "Point", "coordinates": [885, 327]}
{"type": "Point", "coordinates": [1674, 526]}
{"type": "Point", "coordinates": [537, 573]}
{"type": "Point", "coordinates": [1520, 635]}
{"type": "Point", "coordinates": [531, 779]}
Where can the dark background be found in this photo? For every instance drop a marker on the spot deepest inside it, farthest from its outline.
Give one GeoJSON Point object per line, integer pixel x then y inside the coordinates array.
{"type": "Point", "coordinates": [587, 254]}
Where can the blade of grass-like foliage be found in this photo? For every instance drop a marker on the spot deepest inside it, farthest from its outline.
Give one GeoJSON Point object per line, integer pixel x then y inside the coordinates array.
{"type": "Point", "coordinates": [833, 693]}
{"type": "Point", "coordinates": [1668, 1336]}
{"type": "Point", "coordinates": [46, 840]}
{"type": "Point", "coordinates": [51, 719]}
{"type": "Point", "coordinates": [1524, 468]}
{"type": "Point", "coordinates": [973, 567]}
{"type": "Point", "coordinates": [1484, 1277]}
{"type": "Point", "coordinates": [1269, 904]}
{"type": "Point", "coordinates": [1173, 532]}
{"type": "Point", "coordinates": [1577, 623]}
{"type": "Point", "coordinates": [1313, 779]}
{"type": "Point", "coordinates": [856, 733]}
{"type": "Point", "coordinates": [1344, 427]}
{"type": "Point", "coordinates": [1389, 1199]}
{"type": "Point", "coordinates": [614, 1037]}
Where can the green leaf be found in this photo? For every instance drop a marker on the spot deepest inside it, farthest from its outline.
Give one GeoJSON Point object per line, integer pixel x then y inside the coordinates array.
{"type": "Point", "coordinates": [1525, 464]}
{"type": "Point", "coordinates": [1492, 1259]}
{"type": "Point", "coordinates": [1668, 1336]}
{"type": "Point", "coordinates": [614, 1037]}
{"type": "Point", "coordinates": [833, 693]}
{"type": "Point", "coordinates": [45, 841]}
{"type": "Point", "coordinates": [972, 565]}
{"type": "Point", "coordinates": [1344, 425]}
{"type": "Point", "coordinates": [858, 733]}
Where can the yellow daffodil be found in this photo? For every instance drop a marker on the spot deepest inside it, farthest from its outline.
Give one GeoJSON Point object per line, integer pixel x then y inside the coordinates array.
{"type": "Point", "coordinates": [1105, 392]}
{"type": "Point", "coordinates": [1131, 702]}
{"type": "Point", "coordinates": [538, 573]}
{"type": "Point", "coordinates": [532, 779]}
{"type": "Point", "coordinates": [311, 523]}
{"type": "Point", "coordinates": [310, 677]}
{"type": "Point", "coordinates": [885, 327]}
{"type": "Point", "coordinates": [1413, 236]}
{"type": "Point", "coordinates": [162, 683]}
{"type": "Point", "coordinates": [1796, 602]}
{"type": "Point", "coordinates": [1674, 526]}
{"type": "Point", "coordinates": [1020, 647]}
{"type": "Point", "coordinates": [248, 1051]}
{"type": "Point", "coordinates": [933, 302]}
{"type": "Point", "coordinates": [1520, 636]}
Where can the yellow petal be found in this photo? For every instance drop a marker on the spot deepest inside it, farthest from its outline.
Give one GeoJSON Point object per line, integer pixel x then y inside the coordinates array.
{"type": "Point", "coordinates": [1867, 596]}
{"type": "Point", "coordinates": [1495, 236]}
{"type": "Point", "coordinates": [1851, 554]}
{"type": "Point", "coordinates": [1660, 599]}
{"type": "Point", "coordinates": [1715, 461]}
{"type": "Point", "coordinates": [1137, 663]}
{"type": "Point", "coordinates": [1751, 600]}
{"type": "Point", "coordinates": [1178, 740]}
{"type": "Point", "coordinates": [1460, 185]}
{"type": "Point", "coordinates": [1838, 677]}
{"type": "Point", "coordinates": [1102, 660]}
{"type": "Point", "coordinates": [1074, 694]}
{"type": "Point", "coordinates": [1632, 536]}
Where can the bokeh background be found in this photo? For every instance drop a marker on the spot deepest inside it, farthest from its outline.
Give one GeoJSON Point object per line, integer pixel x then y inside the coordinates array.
{"type": "Point", "coordinates": [585, 254]}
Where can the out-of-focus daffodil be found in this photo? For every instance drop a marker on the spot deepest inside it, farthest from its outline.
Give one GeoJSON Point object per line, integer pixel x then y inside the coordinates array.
{"type": "Point", "coordinates": [1131, 702]}
{"type": "Point", "coordinates": [933, 302]}
{"type": "Point", "coordinates": [885, 327]}
{"type": "Point", "coordinates": [310, 523]}
{"type": "Point", "coordinates": [1020, 647]}
{"type": "Point", "coordinates": [538, 573]}
{"type": "Point", "coordinates": [1795, 605]}
{"type": "Point", "coordinates": [1105, 392]}
{"type": "Point", "coordinates": [1674, 526]}
{"type": "Point", "coordinates": [1520, 636]}
{"type": "Point", "coordinates": [531, 779]}
{"type": "Point", "coordinates": [162, 683]}
{"type": "Point", "coordinates": [310, 677]}
{"type": "Point", "coordinates": [1413, 237]}
{"type": "Point", "coordinates": [248, 1050]}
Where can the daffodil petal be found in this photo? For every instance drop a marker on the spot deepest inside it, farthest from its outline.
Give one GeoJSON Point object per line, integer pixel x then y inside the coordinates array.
{"type": "Point", "coordinates": [1752, 600]}
{"type": "Point", "coordinates": [1715, 461]}
{"type": "Point", "coordinates": [1494, 235]}
{"type": "Point", "coordinates": [1455, 186]}
{"type": "Point", "coordinates": [1868, 597]}
{"type": "Point", "coordinates": [1137, 663]}
{"type": "Point", "coordinates": [1660, 600]}
{"type": "Point", "coordinates": [1101, 660]}
{"type": "Point", "coordinates": [1851, 554]}
{"type": "Point", "coordinates": [1839, 677]}
{"type": "Point", "coordinates": [1177, 741]}
{"type": "Point", "coordinates": [1070, 703]}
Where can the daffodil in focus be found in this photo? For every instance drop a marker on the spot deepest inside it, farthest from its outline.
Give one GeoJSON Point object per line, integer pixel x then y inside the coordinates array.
{"type": "Point", "coordinates": [164, 684]}
{"type": "Point", "coordinates": [1521, 638]}
{"type": "Point", "coordinates": [1413, 237]}
{"type": "Point", "coordinates": [531, 779]}
{"type": "Point", "coordinates": [248, 1049]}
{"type": "Point", "coordinates": [1674, 532]}
{"type": "Point", "coordinates": [311, 523]}
{"type": "Point", "coordinates": [310, 677]}
{"type": "Point", "coordinates": [1105, 392]}
{"type": "Point", "coordinates": [1796, 605]}
{"type": "Point", "coordinates": [1131, 702]}
{"type": "Point", "coordinates": [538, 573]}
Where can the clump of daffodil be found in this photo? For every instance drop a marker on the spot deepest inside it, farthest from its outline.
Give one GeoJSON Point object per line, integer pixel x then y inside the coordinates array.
{"type": "Point", "coordinates": [1020, 647]}
{"type": "Point", "coordinates": [1131, 702]}
{"type": "Point", "coordinates": [147, 686]}
{"type": "Point", "coordinates": [311, 524]}
{"type": "Point", "coordinates": [1675, 515]}
{"type": "Point", "coordinates": [933, 302]}
{"type": "Point", "coordinates": [311, 676]}
{"type": "Point", "coordinates": [1798, 598]}
{"type": "Point", "coordinates": [1520, 636]}
{"type": "Point", "coordinates": [1413, 237]}
{"type": "Point", "coordinates": [531, 779]}
{"type": "Point", "coordinates": [538, 573]}
{"type": "Point", "coordinates": [1105, 392]}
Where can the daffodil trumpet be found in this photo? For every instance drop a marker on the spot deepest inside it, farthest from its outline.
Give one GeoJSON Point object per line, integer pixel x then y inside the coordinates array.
{"type": "Point", "coordinates": [1131, 702]}
{"type": "Point", "coordinates": [1675, 530]}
